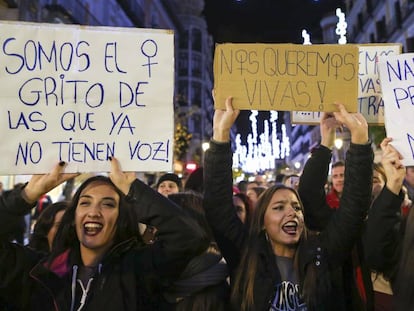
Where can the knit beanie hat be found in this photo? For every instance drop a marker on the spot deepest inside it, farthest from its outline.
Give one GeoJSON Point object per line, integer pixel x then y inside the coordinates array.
{"type": "Point", "coordinates": [169, 176]}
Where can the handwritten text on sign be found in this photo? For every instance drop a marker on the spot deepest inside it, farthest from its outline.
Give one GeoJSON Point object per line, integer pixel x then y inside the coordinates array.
{"type": "Point", "coordinates": [370, 102]}
{"type": "Point", "coordinates": [397, 81]}
{"type": "Point", "coordinates": [83, 94]}
{"type": "Point", "coordinates": [286, 76]}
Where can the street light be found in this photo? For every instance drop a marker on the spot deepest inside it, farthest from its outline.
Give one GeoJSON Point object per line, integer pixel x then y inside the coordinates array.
{"type": "Point", "coordinates": [338, 143]}
{"type": "Point", "coordinates": [205, 146]}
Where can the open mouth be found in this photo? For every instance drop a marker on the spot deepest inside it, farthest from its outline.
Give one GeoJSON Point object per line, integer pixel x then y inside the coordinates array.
{"type": "Point", "coordinates": [92, 228]}
{"type": "Point", "coordinates": [290, 227]}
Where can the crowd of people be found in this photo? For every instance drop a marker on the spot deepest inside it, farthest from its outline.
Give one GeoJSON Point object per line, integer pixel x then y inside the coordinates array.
{"type": "Point", "coordinates": [211, 244]}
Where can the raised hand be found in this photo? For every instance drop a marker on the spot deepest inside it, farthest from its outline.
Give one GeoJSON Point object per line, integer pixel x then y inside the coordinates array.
{"type": "Point", "coordinates": [42, 183]}
{"type": "Point", "coordinates": [121, 179]}
{"type": "Point", "coordinates": [356, 124]}
{"type": "Point", "coordinates": [223, 121]}
{"type": "Point", "coordinates": [328, 127]}
{"type": "Point", "coordinates": [393, 167]}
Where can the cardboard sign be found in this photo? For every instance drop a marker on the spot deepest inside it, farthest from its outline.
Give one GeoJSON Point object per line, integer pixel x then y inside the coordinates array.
{"type": "Point", "coordinates": [286, 77]}
{"type": "Point", "coordinates": [370, 102]}
{"type": "Point", "coordinates": [397, 80]}
{"type": "Point", "coordinates": [82, 94]}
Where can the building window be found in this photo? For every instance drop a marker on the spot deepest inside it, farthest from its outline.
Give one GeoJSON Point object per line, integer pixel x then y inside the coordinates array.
{"type": "Point", "coordinates": [196, 94]}
{"type": "Point", "coordinates": [360, 21]}
{"type": "Point", "coordinates": [410, 45]}
{"type": "Point", "coordinates": [398, 15]}
{"type": "Point", "coordinates": [196, 40]}
{"type": "Point", "coordinates": [196, 118]}
{"type": "Point", "coordinates": [182, 97]}
{"type": "Point", "coordinates": [381, 29]}
{"type": "Point", "coordinates": [196, 66]}
{"type": "Point", "coordinates": [184, 40]}
{"type": "Point", "coordinates": [183, 65]}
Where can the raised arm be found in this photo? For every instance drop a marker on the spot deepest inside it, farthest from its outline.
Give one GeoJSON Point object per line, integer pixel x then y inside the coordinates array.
{"type": "Point", "coordinates": [180, 236]}
{"type": "Point", "coordinates": [16, 260]}
{"type": "Point", "coordinates": [229, 231]}
{"type": "Point", "coordinates": [383, 232]}
{"type": "Point", "coordinates": [21, 200]}
{"type": "Point", "coordinates": [346, 223]}
{"type": "Point", "coordinates": [315, 174]}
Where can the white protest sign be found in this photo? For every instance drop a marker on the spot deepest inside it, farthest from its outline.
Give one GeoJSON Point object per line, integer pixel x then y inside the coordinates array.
{"type": "Point", "coordinates": [82, 94]}
{"type": "Point", "coordinates": [397, 80]}
{"type": "Point", "coordinates": [370, 101]}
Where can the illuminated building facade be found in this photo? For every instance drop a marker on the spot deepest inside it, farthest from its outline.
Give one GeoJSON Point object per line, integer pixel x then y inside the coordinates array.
{"type": "Point", "coordinates": [367, 21]}
{"type": "Point", "coordinates": [379, 21]}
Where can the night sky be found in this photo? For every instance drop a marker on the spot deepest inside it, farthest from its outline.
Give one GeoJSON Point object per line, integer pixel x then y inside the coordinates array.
{"type": "Point", "coordinates": [265, 21]}
{"type": "Point", "coordinates": [269, 21]}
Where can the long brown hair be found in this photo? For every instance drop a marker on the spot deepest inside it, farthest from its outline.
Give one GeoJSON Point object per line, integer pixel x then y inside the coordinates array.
{"type": "Point", "coordinates": [244, 283]}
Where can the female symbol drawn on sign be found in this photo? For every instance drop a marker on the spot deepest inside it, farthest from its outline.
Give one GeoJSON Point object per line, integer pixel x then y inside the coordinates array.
{"type": "Point", "coordinates": [149, 48]}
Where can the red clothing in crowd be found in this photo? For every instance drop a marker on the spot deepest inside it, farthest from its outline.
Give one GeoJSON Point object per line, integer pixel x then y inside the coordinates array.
{"type": "Point", "coordinates": [332, 199]}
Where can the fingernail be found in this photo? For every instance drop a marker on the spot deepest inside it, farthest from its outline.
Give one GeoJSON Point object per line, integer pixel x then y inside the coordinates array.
{"type": "Point", "coordinates": [62, 163]}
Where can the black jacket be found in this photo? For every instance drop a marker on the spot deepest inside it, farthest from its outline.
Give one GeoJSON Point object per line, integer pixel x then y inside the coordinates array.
{"type": "Point", "coordinates": [325, 252]}
{"type": "Point", "coordinates": [317, 216]}
{"type": "Point", "coordinates": [131, 276]}
{"type": "Point", "coordinates": [384, 233]}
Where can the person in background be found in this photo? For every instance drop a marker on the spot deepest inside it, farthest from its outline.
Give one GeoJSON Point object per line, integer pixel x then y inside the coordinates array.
{"type": "Point", "coordinates": [337, 184]}
{"type": "Point", "coordinates": [278, 263]}
{"type": "Point", "coordinates": [253, 194]}
{"type": "Point", "coordinates": [243, 207]}
{"type": "Point", "coordinates": [260, 180]}
{"type": "Point", "coordinates": [383, 295]}
{"type": "Point", "coordinates": [407, 203]}
{"type": "Point", "coordinates": [389, 235]}
{"type": "Point", "coordinates": [292, 181]}
{"type": "Point", "coordinates": [97, 260]}
{"type": "Point", "coordinates": [45, 228]}
{"type": "Point", "coordinates": [202, 286]}
{"type": "Point", "coordinates": [409, 182]}
{"type": "Point", "coordinates": [168, 184]}
{"type": "Point", "coordinates": [379, 179]}
{"type": "Point", "coordinates": [250, 185]}
{"type": "Point", "coordinates": [194, 181]}
{"type": "Point", "coordinates": [43, 202]}
{"type": "Point", "coordinates": [242, 186]}
{"type": "Point", "coordinates": [354, 276]}
{"type": "Point", "coordinates": [280, 178]}
{"type": "Point", "coordinates": [18, 226]}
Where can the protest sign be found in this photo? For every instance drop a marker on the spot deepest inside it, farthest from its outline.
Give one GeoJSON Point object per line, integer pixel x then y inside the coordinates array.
{"type": "Point", "coordinates": [286, 77]}
{"type": "Point", "coordinates": [397, 81]}
{"type": "Point", "coordinates": [370, 102]}
{"type": "Point", "coordinates": [82, 94]}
